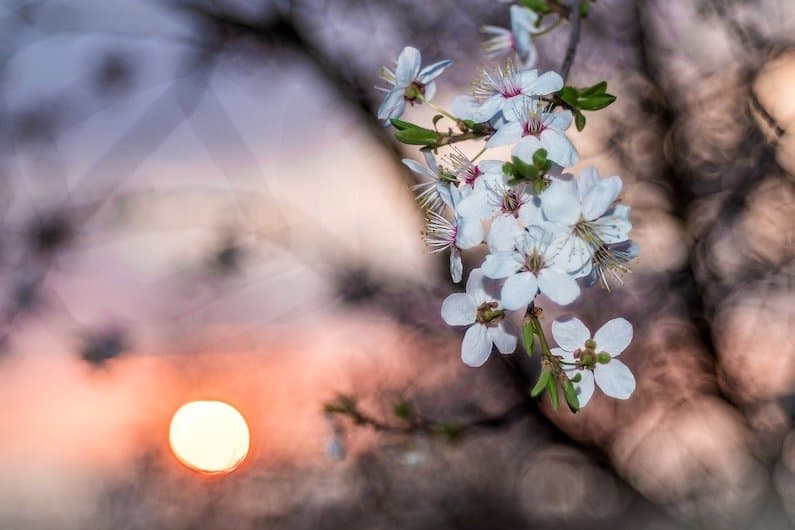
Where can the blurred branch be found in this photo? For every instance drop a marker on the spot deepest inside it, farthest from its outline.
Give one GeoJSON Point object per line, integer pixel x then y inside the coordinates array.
{"type": "Point", "coordinates": [574, 39]}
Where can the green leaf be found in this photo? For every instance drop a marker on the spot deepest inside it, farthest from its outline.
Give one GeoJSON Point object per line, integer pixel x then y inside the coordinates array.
{"type": "Point", "coordinates": [579, 120]}
{"type": "Point", "coordinates": [570, 393]}
{"type": "Point", "coordinates": [540, 158]}
{"type": "Point", "coordinates": [528, 338]}
{"type": "Point", "coordinates": [403, 125]}
{"type": "Point", "coordinates": [417, 136]}
{"type": "Point", "coordinates": [569, 96]}
{"type": "Point", "coordinates": [552, 388]}
{"type": "Point", "coordinates": [596, 102]}
{"type": "Point", "coordinates": [595, 90]}
{"type": "Point", "coordinates": [539, 6]}
{"type": "Point", "coordinates": [523, 170]}
{"type": "Point", "coordinates": [543, 380]}
{"type": "Point", "coordinates": [584, 8]}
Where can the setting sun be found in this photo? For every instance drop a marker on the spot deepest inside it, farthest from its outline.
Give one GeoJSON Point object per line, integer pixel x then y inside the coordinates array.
{"type": "Point", "coordinates": [209, 436]}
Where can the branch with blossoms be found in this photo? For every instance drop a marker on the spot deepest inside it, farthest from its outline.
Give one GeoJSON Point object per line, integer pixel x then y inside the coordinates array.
{"type": "Point", "coordinates": [545, 231]}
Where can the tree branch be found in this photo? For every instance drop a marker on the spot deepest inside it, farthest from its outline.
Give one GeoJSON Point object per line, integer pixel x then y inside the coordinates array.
{"type": "Point", "coordinates": [574, 39]}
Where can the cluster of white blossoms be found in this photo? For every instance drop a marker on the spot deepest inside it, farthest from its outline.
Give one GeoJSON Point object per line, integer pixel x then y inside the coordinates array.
{"type": "Point", "coordinates": [544, 231]}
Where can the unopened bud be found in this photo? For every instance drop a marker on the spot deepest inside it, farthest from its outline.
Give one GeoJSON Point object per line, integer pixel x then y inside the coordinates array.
{"type": "Point", "coordinates": [590, 344]}
{"type": "Point", "coordinates": [603, 357]}
{"type": "Point", "coordinates": [577, 378]}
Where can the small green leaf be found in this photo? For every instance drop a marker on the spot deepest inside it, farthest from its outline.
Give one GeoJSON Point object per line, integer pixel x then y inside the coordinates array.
{"type": "Point", "coordinates": [552, 388]}
{"type": "Point", "coordinates": [523, 170]}
{"type": "Point", "coordinates": [541, 384]}
{"type": "Point", "coordinates": [528, 338]}
{"type": "Point", "coordinates": [596, 102]}
{"type": "Point", "coordinates": [595, 90]}
{"type": "Point", "coordinates": [539, 6]}
{"type": "Point", "coordinates": [570, 393]}
{"type": "Point", "coordinates": [417, 136]}
{"type": "Point", "coordinates": [579, 120]}
{"type": "Point", "coordinates": [584, 8]}
{"type": "Point", "coordinates": [569, 96]}
{"type": "Point", "coordinates": [402, 125]}
{"type": "Point", "coordinates": [540, 158]}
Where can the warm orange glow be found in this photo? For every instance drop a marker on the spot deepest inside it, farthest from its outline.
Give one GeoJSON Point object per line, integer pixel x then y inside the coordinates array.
{"type": "Point", "coordinates": [209, 436]}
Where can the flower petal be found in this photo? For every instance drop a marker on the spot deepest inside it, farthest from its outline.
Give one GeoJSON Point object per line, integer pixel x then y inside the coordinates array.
{"type": "Point", "coordinates": [567, 356]}
{"type": "Point", "coordinates": [508, 134]}
{"type": "Point", "coordinates": [614, 336]}
{"type": "Point", "coordinates": [503, 233]}
{"type": "Point", "coordinates": [476, 347]}
{"type": "Point", "coordinates": [546, 83]}
{"type": "Point", "coordinates": [559, 148]}
{"type": "Point", "coordinates": [408, 66]}
{"type": "Point", "coordinates": [430, 91]}
{"type": "Point", "coordinates": [459, 309]}
{"type": "Point", "coordinates": [501, 265]}
{"type": "Point", "coordinates": [600, 197]}
{"type": "Point", "coordinates": [589, 177]}
{"type": "Point", "coordinates": [570, 334]}
{"type": "Point", "coordinates": [560, 202]}
{"type": "Point", "coordinates": [558, 286]}
{"type": "Point", "coordinates": [392, 106]}
{"type": "Point", "coordinates": [470, 233]}
{"type": "Point", "coordinates": [504, 341]}
{"type": "Point", "coordinates": [432, 71]}
{"type": "Point", "coordinates": [476, 287]}
{"type": "Point", "coordinates": [615, 379]}
{"type": "Point", "coordinates": [518, 291]}
{"type": "Point", "coordinates": [456, 265]}
{"type": "Point", "coordinates": [585, 387]}
{"type": "Point", "coordinates": [418, 168]}
{"type": "Point", "coordinates": [559, 120]}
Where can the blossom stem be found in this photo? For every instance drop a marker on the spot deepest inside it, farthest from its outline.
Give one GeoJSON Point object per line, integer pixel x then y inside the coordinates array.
{"type": "Point", "coordinates": [549, 28]}
{"type": "Point", "coordinates": [474, 158]}
{"type": "Point", "coordinates": [437, 108]}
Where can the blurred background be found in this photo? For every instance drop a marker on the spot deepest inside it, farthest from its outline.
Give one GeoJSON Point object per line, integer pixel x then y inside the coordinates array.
{"type": "Point", "coordinates": [198, 203]}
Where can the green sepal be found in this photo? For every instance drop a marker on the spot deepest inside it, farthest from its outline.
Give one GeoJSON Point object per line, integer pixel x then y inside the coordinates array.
{"type": "Point", "coordinates": [552, 388]}
{"type": "Point", "coordinates": [528, 335]}
{"type": "Point", "coordinates": [541, 384]}
{"type": "Point", "coordinates": [402, 125]}
{"type": "Point", "coordinates": [540, 158]}
{"type": "Point", "coordinates": [570, 393]}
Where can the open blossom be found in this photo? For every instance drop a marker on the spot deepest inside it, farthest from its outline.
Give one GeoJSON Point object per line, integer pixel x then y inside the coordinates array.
{"type": "Point", "coordinates": [435, 191]}
{"type": "Point", "coordinates": [594, 359]}
{"type": "Point", "coordinates": [501, 89]}
{"type": "Point", "coordinates": [409, 83]}
{"type": "Point", "coordinates": [516, 40]}
{"type": "Point", "coordinates": [586, 219]}
{"type": "Point", "coordinates": [531, 128]}
{"type": "Point", "coordinates": [485, 318]}
{"type": "Point", "coordinates": [532, 267]}
{"type": "Point", "coordinates": [459, 234]}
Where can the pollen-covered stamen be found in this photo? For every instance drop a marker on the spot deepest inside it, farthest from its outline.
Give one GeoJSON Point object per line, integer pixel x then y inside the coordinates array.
{"type": "Point", "coordinates": [502, 42]}
{"type": "Point", "coordinates": [463, 169]}
{"type": "Point", "coordinates": [588, 233]}
{"type": "Point", "coordinates": [609, 264]}
{"type": "Point", "coordinates": [439, 234]}
{"type": "Point", "coordinates": [504, 81]}
{"type": "Point", "coordinates": [534, 262]}
{"type": "Point", "coordinates": [511, 201]}
{"type": "Point", "coordinates": [490, 314]}
{"type": "Point", "coordinates": [388, 75]}
{"type": "Point", "coordinates": [427, 195]}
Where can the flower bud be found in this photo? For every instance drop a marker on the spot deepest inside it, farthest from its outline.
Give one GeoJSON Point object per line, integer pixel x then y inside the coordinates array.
{"type": "Point", "coordinates": [590, 344]}
{"type": "Point", "coordinates": [603, 357]}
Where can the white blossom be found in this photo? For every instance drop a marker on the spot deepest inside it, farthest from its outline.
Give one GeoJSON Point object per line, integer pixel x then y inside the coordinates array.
{"type": "Point", "coordinates": [500, 89]}
{"type": "Point", "coordinates": [531, 127]}
{"type": "Point", "coordinates": [409, 83]}
{"type": "Point", "coordinates": [516, 40]}
{"type": "Point", "coordinates": [485, 318]}
{"type": "Point", "coordinates": [585, 217]}
{"type": "Point", "coordinates": [532, 267]}
{"type": "Point", "coordinates": [594, 359]}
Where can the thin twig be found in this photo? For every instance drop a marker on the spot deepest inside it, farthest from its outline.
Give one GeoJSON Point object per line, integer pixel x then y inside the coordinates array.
{"type": "Point", "coordinates": [574, 39]}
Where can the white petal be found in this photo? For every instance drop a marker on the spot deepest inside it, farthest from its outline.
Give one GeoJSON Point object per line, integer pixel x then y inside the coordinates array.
{"type": "Point", "coordinates": [615, 379]}
{"type": "Point", "coordinates": [459, 309]}
{"type": "Point", "coordinates": [392, 106]}
{"type": "Point", "coordinates": [566, 355]}
{"type": "Point", "coordinates": [546, 83]}
{"type": "Point", "coordinates": [476, 347]}
{"type": "Point", "coordinates": [430, 91]}
{"type": "Point", "coordinates": [558, 286]}
{"type": "Point", "coordinates": [475, 286]}
{"type": "Point", "coordinates": [560, 202]}
{"type": "Point", "coordinates": [468, 108]}
{"type": "Point", "coordinates": [560, 120]}
{"type": "Point", "coordinates": [432, 71]}
{"type": "Point", "coordinates": [508, 134]}
{"type": "Point", "coordinates": [574, 255]}
{"type": "Point", "coordinates": [570, 334]}
{"type": "Point", "coordinates": [501, 265]}
{"type": "Point", "coordinates": [503, 233]}
{"type": "Point", "coordinates": [518, 291]}
{"type": "Point", "coordinates": [456, 265]}
{"type": "Point", "coordinates": [418, 168]}
{"type": "Point", "coordinates": [612, 228]}
{"type": "Point", "coordinates": [530, 213]}
{"type": "Point", "coordinates": [589, 177]}
{"type": "Point", "coordinates": [474, 207]}
{"type": "Point", "coordinates": [585, 387]}
{"type": "Point", "coordinates": [408, 66]}
{"type": "Point", "coordinates": [559, 148]}
{"type": "Point", "coordinates": [526, 148]}
{"type": "Point", "coordinates": [600, 197]}
{"type": "Point", "coordinates": [504, 341]}
{"type": "Point", "coordinates": [614, 336]}
{"type": "Point", "coordinates": [470, 233]}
